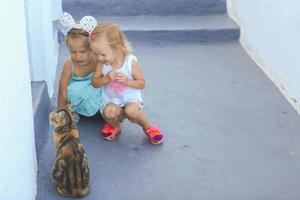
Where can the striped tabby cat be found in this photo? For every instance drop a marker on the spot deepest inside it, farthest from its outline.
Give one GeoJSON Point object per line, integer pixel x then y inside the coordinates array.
{"type": "Point", "coordinates": [70, 171]}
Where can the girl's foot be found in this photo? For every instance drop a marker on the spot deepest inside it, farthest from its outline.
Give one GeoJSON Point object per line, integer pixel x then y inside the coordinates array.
{"type": "Point", "coordinates": [110, 133]}
{"type": "Point", "coordinates": [75, 117]}
{"type": "Point", "coordinates": [154, 135]}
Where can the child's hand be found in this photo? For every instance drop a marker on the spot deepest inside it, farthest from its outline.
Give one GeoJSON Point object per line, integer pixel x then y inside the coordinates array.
{"type": "Point", "coordinates": [111, 75]}
{"type": "Point", "coordinates": [122, 78]}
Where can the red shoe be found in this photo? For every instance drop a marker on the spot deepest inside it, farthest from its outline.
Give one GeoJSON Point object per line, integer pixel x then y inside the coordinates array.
{"type": "Point", "coordinates": [154, 135]}
{"type": "Point", "coordinates": [110, 133]}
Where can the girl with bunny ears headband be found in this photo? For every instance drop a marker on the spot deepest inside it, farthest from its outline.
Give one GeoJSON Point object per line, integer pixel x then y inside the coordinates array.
{"type": "Point", "coordinates": [75, 81]}
{"type": "Point", "coordinates": [84, 27]}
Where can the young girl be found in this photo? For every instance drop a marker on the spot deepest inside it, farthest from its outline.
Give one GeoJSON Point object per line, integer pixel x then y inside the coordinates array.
{"type": "Point", "coordinates": [119, 73]}
{"type": "Point", "coordinates": [75, 84]}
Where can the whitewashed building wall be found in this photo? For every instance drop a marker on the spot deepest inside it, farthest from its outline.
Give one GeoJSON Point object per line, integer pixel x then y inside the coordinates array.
{"type": "Point", "coordinates": [28, 52]}
{"type": "Point", "coordinates": [42, 39]}
{"type": "Point", "coordinates": [270, 33]}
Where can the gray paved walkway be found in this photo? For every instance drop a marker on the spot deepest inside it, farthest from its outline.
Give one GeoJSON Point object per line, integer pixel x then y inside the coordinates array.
{"type": "Point", "coordinates": [230, 134]}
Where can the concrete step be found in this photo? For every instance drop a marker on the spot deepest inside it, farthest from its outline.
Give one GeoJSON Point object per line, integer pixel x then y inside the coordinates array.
{"type": "Point", "coordinates": [79, 8]}
{"type": "Point", "coordinates": [215, 28]}
{"type": "Point", "coordinates": [41, 107]}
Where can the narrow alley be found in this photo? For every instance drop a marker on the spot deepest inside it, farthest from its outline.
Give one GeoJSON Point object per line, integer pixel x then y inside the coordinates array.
{"type": "Point", "coordinates": [230, 134]}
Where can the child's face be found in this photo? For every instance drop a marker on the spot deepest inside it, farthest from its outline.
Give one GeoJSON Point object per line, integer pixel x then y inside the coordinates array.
{"type": "Point", "coordinates": [79, 53]}
{"type": "Point", "coordinates": [104, 52]}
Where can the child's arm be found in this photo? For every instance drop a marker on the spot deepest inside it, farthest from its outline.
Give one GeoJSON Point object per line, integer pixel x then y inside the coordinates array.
{"type": "Point", "coordinates": [138, 81]}
{"type": "Point", "coordinates": [99, 80]}
{"type": "Point", "coordinates": [63, 84]}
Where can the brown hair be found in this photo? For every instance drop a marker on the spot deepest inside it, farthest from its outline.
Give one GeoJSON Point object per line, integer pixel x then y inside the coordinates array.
{"type": "Point", "coordinates": [78, 33]}
{"type": "Point", "coordinates": [114, 36]}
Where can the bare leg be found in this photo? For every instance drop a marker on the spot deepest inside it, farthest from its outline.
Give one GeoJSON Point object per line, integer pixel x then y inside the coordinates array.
{"type": "Point", "coordinates": [113, 115]}
{"type": "Point", "coordinates": [135, 114]}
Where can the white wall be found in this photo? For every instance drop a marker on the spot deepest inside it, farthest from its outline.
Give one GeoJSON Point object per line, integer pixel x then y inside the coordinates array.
{"type": "Point", "coordinates": [270, 33]}
{"type": "Point", "coordinates": [42, 39]}
{"type": "Point", "coordinates": [17, 148]}
{"type": "Point", "coordinates": [56, 9]}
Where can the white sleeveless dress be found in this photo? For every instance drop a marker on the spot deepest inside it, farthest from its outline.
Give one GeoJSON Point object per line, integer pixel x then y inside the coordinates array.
{"type": "Point", "coordinates": [119, 93]}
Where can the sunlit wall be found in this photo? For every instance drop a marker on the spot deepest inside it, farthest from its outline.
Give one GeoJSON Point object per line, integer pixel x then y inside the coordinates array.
{"type": "Point", "coordinates": [270, 33]}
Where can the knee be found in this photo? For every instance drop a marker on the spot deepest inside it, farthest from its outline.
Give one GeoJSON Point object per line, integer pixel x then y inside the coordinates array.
{"type": "Point", "coordinates": [112, 112]}
{"type": "Point", "coordinates": [132, 112]}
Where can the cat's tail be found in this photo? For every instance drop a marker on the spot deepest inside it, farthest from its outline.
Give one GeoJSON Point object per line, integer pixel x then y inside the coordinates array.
{"type": "Point", "coordinates": [80, 192]}
{"type": "Point", "coordinates": [76, 193]}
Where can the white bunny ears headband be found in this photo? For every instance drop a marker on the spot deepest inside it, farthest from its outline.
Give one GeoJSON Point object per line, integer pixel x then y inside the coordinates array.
{"type": "Point", "coordinates": [87, 23]}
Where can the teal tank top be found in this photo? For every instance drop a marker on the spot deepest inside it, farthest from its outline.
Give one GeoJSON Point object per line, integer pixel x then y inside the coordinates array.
{"type": "Point", "coordinates": [85, 99]}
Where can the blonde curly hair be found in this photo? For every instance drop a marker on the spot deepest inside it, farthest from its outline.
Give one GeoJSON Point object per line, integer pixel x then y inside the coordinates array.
{"type": "Point", "coordinates": [114, 36]}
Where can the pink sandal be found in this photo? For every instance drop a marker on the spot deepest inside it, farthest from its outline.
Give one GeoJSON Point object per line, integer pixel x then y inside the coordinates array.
{"type": "Point", "coordinates": [154, 135]}
{"type": "Point", "coordinates": [110, 133]}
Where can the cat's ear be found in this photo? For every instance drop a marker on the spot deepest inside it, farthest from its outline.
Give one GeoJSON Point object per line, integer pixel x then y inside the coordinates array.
{"type": "Point", "coordinates": [69, 106]}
